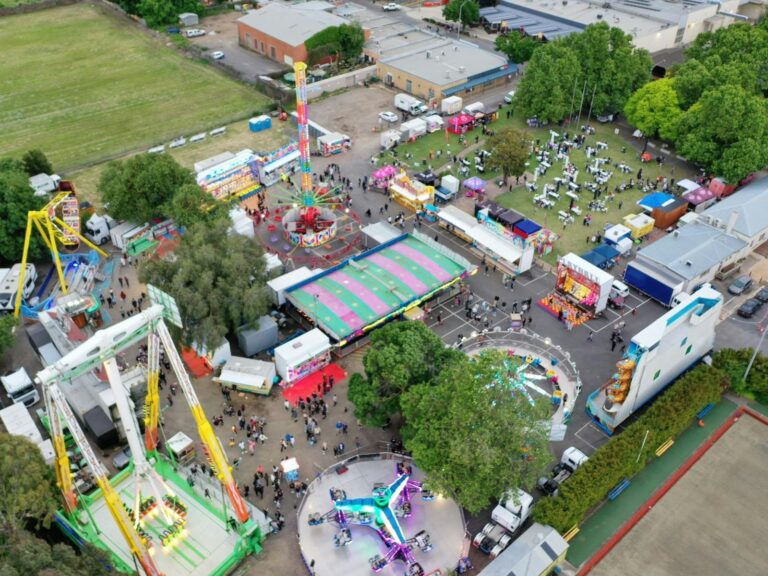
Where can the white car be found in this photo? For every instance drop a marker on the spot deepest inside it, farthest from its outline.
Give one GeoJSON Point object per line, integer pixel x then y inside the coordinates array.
{"type": "Point", "coordinates": [194, 33]}
{"type": "Point", "coordinates": [509, 96]}
{"type": "Point", "coordinates": [388, 116]}
{"type": "Point", "coordinates": [391, 7]}
{"type": "Point", "coordinates": [218, 55]}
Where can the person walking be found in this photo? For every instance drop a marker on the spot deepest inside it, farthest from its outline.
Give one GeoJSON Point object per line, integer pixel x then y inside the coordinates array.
{"type": "Point", "coordinates": [591, 336]}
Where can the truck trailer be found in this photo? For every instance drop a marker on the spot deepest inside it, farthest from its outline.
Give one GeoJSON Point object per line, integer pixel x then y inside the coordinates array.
{"type": "Point", "coordinates": [409, 104]}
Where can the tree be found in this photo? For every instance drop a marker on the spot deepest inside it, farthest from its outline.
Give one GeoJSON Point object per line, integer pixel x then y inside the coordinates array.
{"type": "Point", "coordinates": [26, 490]}
{"type": "Point", "coordinates": [345, 41]}
{"type": "Point", "coordinates": [401, 355]}
{"type": "Point", "coordinates": [610, 65]}
{"type": "Point", "coordinates": [511, 148]}
{"type": "Point", "coordinates": [351, 40]}
{"type": "Point", "coordinates": [16, 199]}
{"type": "Point", "coordinates": [732, 144]}
{"type": "Point", "coordinates": [473, 436]}
{"type": "Point", "coordinates": [734, 363]}
{"type": "Point", "coordinates": [546, 90]}
{"type": "Point", "coordinates": [139, 188]}
{"type": "Point", "coordinates": [468, 10]}
{"type": "Point", "coordinates": [691, 79]}
{"type": "Point", "coordinates": [191, 204]}
{"type": "Point", "coordinates": [654, 109]}
{"type": "Point", "coordinates": [35, 162]}
{"type": "Point", "coordinates": [7, 336]}
{"type": "Point", "coordinates": [518, 47]}
{"type": "Point", "coordinates": [161, 12]}
{"type": "Point", "coordinates": [217, 279]}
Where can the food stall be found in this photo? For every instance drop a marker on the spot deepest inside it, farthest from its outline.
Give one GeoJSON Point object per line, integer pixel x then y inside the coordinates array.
{"type": "Point", "coordinates": [389, 139]}
{"type": "Point", "coordinates": [411, 193]}
{"type": "Point", "coordinates": [461, 124]}
{"type": "Point", "coordinates": [302, 356]}
{"type": "Point", "coordinates": [247, 375]}
{"type": "Point", "coordinates": [381, 178]}
{"type": "Point", "coordinates": [273, 165]}
{"type": "Point", "coordinates": [640, 224]}
{"type": "Point", "coordinates": [449, 187]}
{"type": "Point", "coordinates": [413, 128]}
{"type": "Point", "coordinates": [456, 221]}
{"type": "Point", "coordinates": [333, 143]}
{"type": "Point", "coordinates": [614, 234]}
{"type": "Point", "coordinates": [181, 447]}
{"type": "Point", "coordinates": [474, 186]}
{"type": "Point", "coordinates": [434, 123]}
{"type": "Point", "coordinates": [701, 198]}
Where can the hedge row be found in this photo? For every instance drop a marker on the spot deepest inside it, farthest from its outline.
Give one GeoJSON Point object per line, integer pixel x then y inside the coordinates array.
{"type": "Point", "coordinates": [667, 417]}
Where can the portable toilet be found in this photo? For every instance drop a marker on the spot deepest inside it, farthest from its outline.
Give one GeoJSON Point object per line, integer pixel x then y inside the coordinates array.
{"type": "Point", "coordinates": [260, 123]}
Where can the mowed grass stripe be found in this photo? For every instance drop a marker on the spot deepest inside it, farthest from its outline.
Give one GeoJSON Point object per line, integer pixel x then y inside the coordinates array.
{"type": "Point", "coordinates": [83, 85]}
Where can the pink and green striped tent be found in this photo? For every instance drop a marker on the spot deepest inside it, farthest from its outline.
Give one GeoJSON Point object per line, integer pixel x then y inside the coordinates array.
{"type": "Point", "coordinates": [378, 284]}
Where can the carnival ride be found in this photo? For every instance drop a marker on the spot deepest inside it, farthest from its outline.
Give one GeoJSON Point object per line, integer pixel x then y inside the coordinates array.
{"type": "Point", "coordinates": [58, 222]}
{"type": "Point", "coordinates": [312, 220]}
{"type": "Point", "coordinates": [520, 373]}
{"type": "Point", "coordinates": [157, 514]}
{"type": "Point", "coordinates": [381, 512]}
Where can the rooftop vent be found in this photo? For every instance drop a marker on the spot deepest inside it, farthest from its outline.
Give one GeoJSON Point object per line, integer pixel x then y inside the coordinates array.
{"type": "Point", "coordinates": [688, 263]}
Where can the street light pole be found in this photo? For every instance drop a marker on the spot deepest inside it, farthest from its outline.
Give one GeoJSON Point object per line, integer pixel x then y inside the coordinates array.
{"type": "Point", "coordinates": [458, 30]}
{"type": "Point", "coordinates": [314, 307]}
{"type": "Point", "coordinates": [754, 354]}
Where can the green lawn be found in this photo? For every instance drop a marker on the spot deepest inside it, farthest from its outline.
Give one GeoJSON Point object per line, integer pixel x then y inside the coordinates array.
{"type": "Point", "coordinates": [83, 86]}
{"type": "Point", "coordinates": [574, 236]}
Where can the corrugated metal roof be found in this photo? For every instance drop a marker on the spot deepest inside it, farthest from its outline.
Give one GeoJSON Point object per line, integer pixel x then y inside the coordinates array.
{"type": "Point", "coordinates": [289, 24]}
{"type": "Point", "coordinates": [751, 205]}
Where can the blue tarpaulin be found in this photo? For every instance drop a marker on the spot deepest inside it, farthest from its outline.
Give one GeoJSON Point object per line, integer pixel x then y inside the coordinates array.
{"type": "Point", "coordinates": [655, 200]}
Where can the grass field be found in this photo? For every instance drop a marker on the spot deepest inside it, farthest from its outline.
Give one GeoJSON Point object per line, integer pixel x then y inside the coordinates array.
{"type": "Point", "coordinates": [573, 236]}
{"type": "Point", "coordinates": [84, 86]}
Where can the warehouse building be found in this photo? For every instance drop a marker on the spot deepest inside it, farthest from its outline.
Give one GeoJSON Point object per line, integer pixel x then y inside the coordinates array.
{"type": "Point", "coordinates": [448, 68]}
{"type": "Point", "coordinates": [279, 31]}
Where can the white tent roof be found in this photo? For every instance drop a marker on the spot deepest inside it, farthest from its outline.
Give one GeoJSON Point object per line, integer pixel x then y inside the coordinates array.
{"type": "Point", "coordinates": [307, 345]}
{"type": "Point", "coordinates": [495, 243]}
{"type": "Point", "coordinates": [290, 279]}
{"type": "Point", "coordinates": [457, 217]}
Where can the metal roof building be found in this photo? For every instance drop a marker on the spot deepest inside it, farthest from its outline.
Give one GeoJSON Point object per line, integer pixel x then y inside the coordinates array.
{"type": "Point", "coordinates": [749, 207]}
{"type": "Point", "coordinates": [533, 22]}
{"type": "Point", "coordinates": [292, 25]}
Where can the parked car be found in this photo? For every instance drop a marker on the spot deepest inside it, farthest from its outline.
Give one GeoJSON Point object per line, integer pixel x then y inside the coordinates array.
{"type": "Point", "coordinates": [218, 55]}
{"type": "Point", "coordinates": [122, 458]}
{"type": "Point", "coordinates": [194, 33]}
{"type": "Point", "coordinates": [391, 7]}
{"type": "Point", "coordinates": [388, 116]}
{"type": "Point", "coordinates": [509, 96]}
{"type": "Point", "coordinates": [749, 308]}
{"type": "Point", "coordinates": [762, 295]}
{"type": "Point", "coordinates": [740, 285]}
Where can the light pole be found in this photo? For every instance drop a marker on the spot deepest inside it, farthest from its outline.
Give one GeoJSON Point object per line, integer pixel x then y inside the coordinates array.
{"type": "Point", "coordinates": [458, 30]}
{"type": "Point", "coordinates": [754, 354]}
{"type": "Point", "coordinates": [316, 297]}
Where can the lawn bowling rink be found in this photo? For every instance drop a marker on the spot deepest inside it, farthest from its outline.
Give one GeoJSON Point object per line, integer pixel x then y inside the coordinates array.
{"type": "Point", "coordinates": [712, 522]}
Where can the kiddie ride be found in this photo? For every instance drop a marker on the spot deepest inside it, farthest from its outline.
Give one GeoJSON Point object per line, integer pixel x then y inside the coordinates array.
{"type": "Point", "coordinates": [381, 513]}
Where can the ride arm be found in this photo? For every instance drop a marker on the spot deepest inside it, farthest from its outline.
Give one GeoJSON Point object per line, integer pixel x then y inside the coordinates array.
{"type": "Point", "coordinates": [61, 466]}
{"type": "Point", "coordinates": [207, 436]}
{"type": "Point", "coordinates": [152, 401]}
{"type": "Point", "coordinates": [112, 499]}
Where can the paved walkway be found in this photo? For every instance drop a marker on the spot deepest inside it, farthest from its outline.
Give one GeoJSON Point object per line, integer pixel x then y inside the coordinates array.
{"type": "Point", "coordinates": [612, 515]}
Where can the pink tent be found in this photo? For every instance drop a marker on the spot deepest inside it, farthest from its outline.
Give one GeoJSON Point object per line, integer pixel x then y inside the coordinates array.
{"type": "Point", "coordinates": [381, 178]}
{"type": "Point", "coordinates": [460, 124]}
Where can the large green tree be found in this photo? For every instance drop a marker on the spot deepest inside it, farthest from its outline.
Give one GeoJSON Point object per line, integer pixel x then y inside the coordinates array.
{"type": "Point", "coordinates": [473, 434]}
{"type": "Point", "coordinates": [139, 188]}
{"type": "Point", "coordinates": [16, 199]}
{"type": "Point", "coordinates": [401, 355]}
{"type": "Point", "coordinates": [546, 90]}
{"type": "Point", "coordinates": [654, 109]}
{"type": "Point", "coordinates": [726, 132]}
{"type": "Point", "coordinates": [467, 10]}
{"type": "Point", "coordinates": [36, 162]}
{"type": "Point", "coordinates": [26, 488]}
{"type": "Point", "coordinates": [610, 65]}
{"type": "Point", "coordinates": [218, 280]}
{"type": "Point", "coordinates": [734, 363]}
{"type": "Point", "coordinates": [518, 47]}
{"type": "Point", "coordinates": [191, 204]}
{"type": "Point", "coordinates": [511, 148]}
{"type": "Point", "coordinates": [161, 12]}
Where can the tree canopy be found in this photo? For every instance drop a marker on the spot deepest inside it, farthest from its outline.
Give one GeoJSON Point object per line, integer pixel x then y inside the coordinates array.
{"type": "Point", "coordinates": [16, 199]}
{"type": "Point", "coordinates": [161, 12]}
{"type": "Point", "coordinates": [727, 132]}
{"type": "Point", "coordinates": [734, 363]}
{"type": "Point", "coordinates": [35, 162]}
{"type": "Point", "coordinates": [546, 90]}
{"type": "Point", "coordinates": [401, 355]}
{"type": "Point", "coordinates": [345, 42]}
{"type": "Point", "coordinates": [472, 434]}
{"type": "Point", "coordinates": [191, 204]}
{"type": "Point", "coordinates": [26, 489]}
{"type": "Point", "coordinates": [469, 10]}
{"type": "Point", "coordinates": [654, 109]}
{"type": "Point", "coordinates": [511, 148]}
{"type": "Point", "coordinates": [142, 187]}
{"type": "Point", "coordinates": [217, 278]}
{"type": "Point", "coordinates": [518, 47]}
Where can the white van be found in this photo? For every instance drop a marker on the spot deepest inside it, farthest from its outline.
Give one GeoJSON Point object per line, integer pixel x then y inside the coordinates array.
{"type": "Point", "coordinates": [474, 108]}
{"type": "Point", "coordinates": [10, 284]}
{"type": "Point", "coordinates": [20, 388]}
{"type": "Point", "coordinates": [194, 33]}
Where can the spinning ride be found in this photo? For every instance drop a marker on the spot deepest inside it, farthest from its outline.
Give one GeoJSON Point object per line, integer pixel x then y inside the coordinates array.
{"type": "Point", "coordinates": [312, 221]}
{"type": "Point", "coordinates": [381, 512]}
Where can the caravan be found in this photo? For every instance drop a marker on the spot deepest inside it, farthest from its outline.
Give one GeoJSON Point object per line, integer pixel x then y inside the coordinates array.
{"type": "Point", "coordinates": [10, 285]}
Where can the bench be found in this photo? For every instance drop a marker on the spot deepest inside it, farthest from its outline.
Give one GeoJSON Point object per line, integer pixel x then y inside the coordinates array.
{"type": "Point", "coordinates": [618, 489]}
{"type": "Point", "coordinates": [704, 411]}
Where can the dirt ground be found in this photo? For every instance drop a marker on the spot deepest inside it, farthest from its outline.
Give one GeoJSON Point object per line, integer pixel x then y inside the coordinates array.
{"type": "Point", "coordinates": [707, 524]}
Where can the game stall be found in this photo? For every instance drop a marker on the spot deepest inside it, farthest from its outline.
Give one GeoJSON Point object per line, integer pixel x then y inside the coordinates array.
{"type": "Point", "coordinates": [302, 356]}
{"type": "Point", "coordinates": [270, 167]}
{"type": "Point", "coordinates": [474, 186]}
{"type": "Point", "coordinates": [229, 175]}
{"type": "Point", "coordinates": [380, 179]}
{"type": "Point", "coordinates": [461, 124]}
{"type": "Point", "coordinates": [411, 193]}
{"type": "Point", "coordinates": [581, 291]}
{"type": "Point", "coordinates": [333, 143]}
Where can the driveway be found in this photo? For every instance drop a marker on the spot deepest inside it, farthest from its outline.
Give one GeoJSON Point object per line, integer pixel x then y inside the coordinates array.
{"type": "Point", "coordinates": [222, 35]}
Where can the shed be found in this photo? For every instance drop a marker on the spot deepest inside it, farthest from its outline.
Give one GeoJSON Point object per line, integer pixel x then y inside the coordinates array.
{"type": "Point", "coordinates": [640, 224]}
{"type": "Point", "coordinates": [526, 228]}
{"type": "Point", "coordinates": [247, 375]}
{"type": "Point", "coordinates": [102, 428]}
{"type": "Point", "coordinates": [655, 200]}
{"type": "Point", "coordinates": [189, 19]}
{"type": "Point", "coordinates": [302, 356]}
{"type": "Point", "coordinates": [700, 198]}
{"type": "Point", "coordinates": [615, 233]}
{"type": "Point", "coordinates": [259, 338]}
{"type": "Point", "coordinates": [668, 214]}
